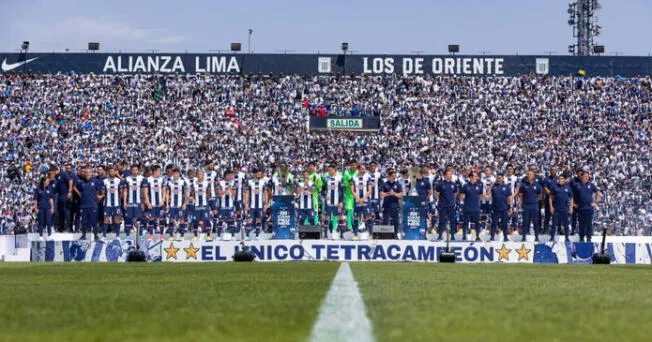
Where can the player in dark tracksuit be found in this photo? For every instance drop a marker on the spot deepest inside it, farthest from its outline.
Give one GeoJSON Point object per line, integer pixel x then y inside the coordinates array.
{"type": "Point", "coordinates": [470, 194]}
{"type": "Point", "coordinates": [572, 183]}
{"type": "Point", "coordinates": [560, 204]}
{"type": "Point", "coordinates": [502, 203]}
{"type": "Point", "coordinates": [44, 206]}
{"type": "Point", "coordinates": [423, 188]}
{"type": "Point", "coordinates": [548, 183]}
{"type": "Point", "coordinates": [63, 185]}
{"type": "Point", "coordinates": [541, 183]}
{"type": "Point", "coordinates": [89, 192]}
{"type": "Point", "coordinates": [391, 192]}
{"type": "Point", "coordinates": [585, 203]}
{"type": "Point", "coordinates": [75, 215]}
{"type": "Point", "coordinates": [99, 178]}
{"type": "Point", "coordinates": [530, 192]}
{"type": "Point", "coordinates": [446, 191]}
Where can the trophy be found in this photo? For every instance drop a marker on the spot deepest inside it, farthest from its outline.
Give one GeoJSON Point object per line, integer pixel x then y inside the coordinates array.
{"type": "Point", "coordinates": [283, 175]}
{"type": "Point", "coordinates": [412, 174]}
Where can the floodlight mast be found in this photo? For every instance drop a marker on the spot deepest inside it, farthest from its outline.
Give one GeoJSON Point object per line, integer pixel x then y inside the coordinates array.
{"type": "Point", "coordinates": [582, 16]}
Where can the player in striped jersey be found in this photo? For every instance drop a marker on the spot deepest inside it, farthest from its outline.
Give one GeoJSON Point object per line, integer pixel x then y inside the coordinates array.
{"type": "Point", "coordinates": [227, 192]}
{"type": "Point", "coordinates": [361, 188]}
{"type": "Point", "coordinates": [334, 196]}
{"type": "Point", "coordinates": [176, 204]}
{"type": "Point", "coordinates": [304, 190]}
{"type": "Point", "coordinates": [488, 181]}
{"type": "Point", "coordinates": [211, 177]}
{"type": "Point", "coordinates": [190, 179]}
{"type": "Point", "coordinates": [156, 207]}
{"type": "Point", "coordinates": [200, 191]}
{"type": "Point", "coordinates": [135, 198]}
{"type": "Point", "coordinates": [100, 176]}
{"type": "Point", "coordinates": [111, 188]}
{"type": "Point", "coordinates": [375, 181]}
{"type": "Point", "coordinates": [256, 200]}
{"type": "Point", "coordinates": [512, 180]}
{"type": "Point", "coordinates": [240, 183]}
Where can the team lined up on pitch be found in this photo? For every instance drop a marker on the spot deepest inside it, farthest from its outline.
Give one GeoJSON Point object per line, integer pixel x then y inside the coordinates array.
{"type": "Point", "coordinates": [344, 203]}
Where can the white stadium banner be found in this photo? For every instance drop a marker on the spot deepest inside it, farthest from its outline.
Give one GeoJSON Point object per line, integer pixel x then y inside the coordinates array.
{"type": "Point", "coordinates": [316, 250]}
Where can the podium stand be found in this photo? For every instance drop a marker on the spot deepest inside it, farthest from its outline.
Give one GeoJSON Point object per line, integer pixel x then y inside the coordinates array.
{"type": "Point", "coordinates": [415, 209]}
{"type": "Point", "coordinates": [284, 219]}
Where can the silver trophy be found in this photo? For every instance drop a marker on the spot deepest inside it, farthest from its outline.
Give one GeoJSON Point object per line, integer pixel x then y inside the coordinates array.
{"type": "Point", "coordinates": [412, 175]}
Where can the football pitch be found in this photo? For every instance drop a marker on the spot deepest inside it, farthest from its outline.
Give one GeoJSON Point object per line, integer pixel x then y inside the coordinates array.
{"type": "Point", "coordinates": [283, 301]}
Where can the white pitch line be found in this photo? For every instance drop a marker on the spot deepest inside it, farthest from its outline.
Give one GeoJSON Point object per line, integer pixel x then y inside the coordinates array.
{"type": "Point", "coordinates": [342, 316]}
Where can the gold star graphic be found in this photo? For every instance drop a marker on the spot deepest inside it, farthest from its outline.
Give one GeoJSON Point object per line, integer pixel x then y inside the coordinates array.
{"type": "Point", "coordinates": [191, 252]}
{"type": "Point", "coordinates": [523, 253]}
{"type": "Point", "coordinates": [171, 252]}
{"type": "Point", "coordinates": [503, 253]}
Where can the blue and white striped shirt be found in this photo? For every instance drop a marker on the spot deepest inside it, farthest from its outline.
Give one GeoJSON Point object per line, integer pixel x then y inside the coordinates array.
{"type": "Point", "coordinates": [257, 189]}
{"type": "Point", "coordinates": [376, 181]}
{"type": "Point", "coordinates": [134, 187]}
{"type": "Point", "coordinates": [305, 199]}
{"type": "Point", "coordinates": [112, 188]}
{"type": "Point", "coordinates": [177, 192]}
{"type": "Point", "coordinates": [362, 185]}
{"type": "Point", "coordinates": [200, 191]}
{"type": "Point", "coordinates": [211, 178]}
{"type": "Point", "coordinates": [228, 200]}
{"type": "Point", "coordinates": [156, 186]}
{"type": "Point", "coordinates": [334, 189]}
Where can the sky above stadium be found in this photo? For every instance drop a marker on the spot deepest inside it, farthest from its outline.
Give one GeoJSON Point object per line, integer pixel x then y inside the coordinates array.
{"type": "Point", "coordinates": [380, 26]}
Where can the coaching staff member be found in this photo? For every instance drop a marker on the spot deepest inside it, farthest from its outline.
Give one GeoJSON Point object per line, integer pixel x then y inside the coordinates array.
{"type": "Point", "coordinates": [585, 198]}
{"type": "Point", "coordinates": [531, 192]}
{"type": "Point", "coordinates": [391, 192]}
{"type": "Point", "coordinates": [446, 191]}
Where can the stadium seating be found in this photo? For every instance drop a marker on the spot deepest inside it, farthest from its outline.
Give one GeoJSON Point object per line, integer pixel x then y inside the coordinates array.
{"type": "Point", "coordinates": [599, 124]}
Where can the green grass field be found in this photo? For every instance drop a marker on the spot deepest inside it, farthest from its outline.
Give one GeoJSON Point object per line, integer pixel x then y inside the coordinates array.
{"type": "Point", "coordinates": [281, 301]}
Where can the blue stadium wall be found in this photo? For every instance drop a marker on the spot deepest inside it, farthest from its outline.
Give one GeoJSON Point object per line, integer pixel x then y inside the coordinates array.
{"type": "Point", "coordinates": [312, 64]}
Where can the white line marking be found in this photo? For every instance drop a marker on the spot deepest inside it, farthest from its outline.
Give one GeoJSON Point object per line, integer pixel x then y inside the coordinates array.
{"type": "Point", "coordinates": [342, 316]}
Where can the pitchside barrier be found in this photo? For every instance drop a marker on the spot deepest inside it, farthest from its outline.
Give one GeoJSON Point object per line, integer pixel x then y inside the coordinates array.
{"type": "Point", "coordinates": [634, 252]}
{"type": "Point", "coordinates": [96, 251]}
{"type": "Point", "coordinates": [414, 246]}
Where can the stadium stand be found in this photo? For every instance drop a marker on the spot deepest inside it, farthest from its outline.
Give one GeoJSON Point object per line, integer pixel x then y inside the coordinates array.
{"type": "Point", "coordinates": [600, 124]}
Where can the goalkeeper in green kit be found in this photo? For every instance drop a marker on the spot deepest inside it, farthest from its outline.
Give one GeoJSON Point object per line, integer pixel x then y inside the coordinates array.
{"type": "Point", "coordinates": [349, 199]}
{"type": "Point", "coordinates": [315, 178]}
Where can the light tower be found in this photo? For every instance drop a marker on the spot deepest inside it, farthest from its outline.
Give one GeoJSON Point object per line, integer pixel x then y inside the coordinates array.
{"type": "Point", "coordinates": [582, 16]}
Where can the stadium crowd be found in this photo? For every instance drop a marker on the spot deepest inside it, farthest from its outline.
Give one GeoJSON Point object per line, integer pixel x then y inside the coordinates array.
{"type": "Point", "coordinates": [601, 125]}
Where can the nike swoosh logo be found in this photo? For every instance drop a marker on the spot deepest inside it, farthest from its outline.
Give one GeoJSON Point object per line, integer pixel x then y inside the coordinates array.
{"type": "Point", "coordinates": [12, 66]}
